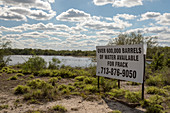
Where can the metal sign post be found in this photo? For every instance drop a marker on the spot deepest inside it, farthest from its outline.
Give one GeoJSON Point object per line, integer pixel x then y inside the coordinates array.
{"type": "Point", "coordinates": [143, 88]}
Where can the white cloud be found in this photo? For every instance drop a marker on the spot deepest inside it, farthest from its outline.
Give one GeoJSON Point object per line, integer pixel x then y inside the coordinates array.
{"type": "Point", "coordinates": [119, 3]}
{"type": "Point", "coordinates": [150, 15]}
{"type": "Point", "coordinates": [59, 34]}
{"type": "Point", "coordinates": [20, 13]}
{"type": "Point", "coordinates": [2, 28]}
{"type": "Point", "coordinates": [102, 2]}
{"type": "Point", "coordinates": [98, 25]}
{"type": "Point", "coordinates": [5, 14]}
{"type": "Point", "coordinates": [127, 3]}
{"type": "Point", "coordinates": [41, 15]}
{"type": "Point", "coordinates": [38, 4]}
{"type": "Point", "coordinates": [125, 16]}
{"type": "Point", "coordinates": [164, 19]}
{"type": "Point", "coordinates": [43, 27]}
{"type": "Point", "coordinates": [108, 33]}
{"type": "Point", "coordinates": [73, 15]}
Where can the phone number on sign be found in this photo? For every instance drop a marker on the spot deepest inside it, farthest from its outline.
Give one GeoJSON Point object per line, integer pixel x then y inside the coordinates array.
{"type": "Point", "coordinates": [118, 72]}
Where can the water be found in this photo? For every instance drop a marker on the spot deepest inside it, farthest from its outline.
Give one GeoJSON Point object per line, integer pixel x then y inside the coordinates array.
{"type": "Point", "coordinates": [66, 60]}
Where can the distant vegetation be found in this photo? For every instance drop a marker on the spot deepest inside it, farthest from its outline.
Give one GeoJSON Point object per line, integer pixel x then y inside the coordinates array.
{"type": "Point", "coordinates": [29, 51]}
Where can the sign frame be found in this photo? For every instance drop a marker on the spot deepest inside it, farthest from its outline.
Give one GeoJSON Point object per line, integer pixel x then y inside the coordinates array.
{"type": "Point", "coordinates": [122, 62]}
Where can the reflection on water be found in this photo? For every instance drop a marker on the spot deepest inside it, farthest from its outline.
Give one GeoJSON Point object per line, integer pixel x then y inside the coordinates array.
{"type": "Point", "coordinates": [66, 60]}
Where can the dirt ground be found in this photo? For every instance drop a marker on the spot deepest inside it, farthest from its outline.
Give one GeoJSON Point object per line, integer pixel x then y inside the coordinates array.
{"type": "Point", "coordinates": [73, 104]}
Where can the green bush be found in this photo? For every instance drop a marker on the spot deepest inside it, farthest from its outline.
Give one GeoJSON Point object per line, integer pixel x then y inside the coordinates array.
{"type": "Point", "coordinates": [59, 108]}
{"type": "Point", "coordinates": [21, 89]}
{"type": "Point", "coordinates": [155, 80]}
{"type": "Point", "coordinates": [54, 63]}
{"type": "Point", "coordinates": [39, 84]}
{"type": "Point", "coordinates": [0, 74]}
{"type": "Point", "coordinates": [13, 78]}
{"type": "Point", "coordinates": [155, 90]}
{"type": "Point", "coordinates": [107, 84]}
{"type": "Point", "coordinates": [118, 93]}
{"type": "Point", "coordinates": [80, 78]}
{"type": "Point", "coordinates": [167, 87]}
{"type": "Point", "coordinates": [71, 88]}
{"type": "Point", "coordinates": [44, 73]}
{"type": "Point", "coordinates": [90, 88]}
{"type": "Point", "coordinates": [156, 108]}
{"type": "Point", "coordinates": [9, 72]}
{"type": "Point", "coordinates": [153, 104]}
{"type": "Point", "coordinates": [19, 74]}
{"type": "Point", "coordinates": [31, 76]}
{"type": "Point", "coordinates": [89, 80]}
{"type": "Point", "coordinates": [34, 64]}
{"type": "Point", "coordinates": [62, 86]}
{"type": "Point", "coordinates": [133, 96]}
{"type": "Point", "coordinates": [53, 80]}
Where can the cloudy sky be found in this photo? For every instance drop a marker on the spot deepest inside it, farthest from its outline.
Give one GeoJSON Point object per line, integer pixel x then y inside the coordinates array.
{"type": "Point", "coordinates": [81, 24]}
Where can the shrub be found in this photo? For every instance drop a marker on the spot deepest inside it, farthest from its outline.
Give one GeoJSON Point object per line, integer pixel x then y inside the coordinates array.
{"type": "Point", "coordinates": [62, 86]}
{"type": "Point", "coordinates": [45, 73]}
{"type": "Point", "coordinates": [71, 88]}
{"type": "Point", "coordinates": [9, 72]}
{"type": "Point", "coordinates": [19, 74]}
{"type": "Point", "coordinates": [153, 104]}
{"type": "Point", "coordinates": [89, 80]}
{"type": "Point", "coordinates": [90, 88]}
{"type": "Point", "coordinates": [118, 93]}
{"type": "Point", "coordinates": [107, 85]}
{"type": "Point", "coordinates": [39, 84]}
{"type": "Point", "coordinates": [21, 89]}
{"type": "Point", "coordinates": [80, 78]}
{"type": "Point", "coordinates": [54, 63]}
{"type": "Point", "coordinates": [13, 78]}
{"type": "Point", "coordinates": [155, 90]}
{"type": "Point", "coordinates": [167, 87]}
{"type": "Point", "coordinates": [133, 96]}
{"type": "Point", "coordinates": [59, 108]}
{"type": "Point", "coordinates": [31, 76]}
{"type": "Point", "coordinates": [53, 80]}
{"type": "Point", "coordinates": [0, 74]}
{"type": "Point", "coordinates": [155, 80]}
{"type": "Point", "coordinates": [34, 64]}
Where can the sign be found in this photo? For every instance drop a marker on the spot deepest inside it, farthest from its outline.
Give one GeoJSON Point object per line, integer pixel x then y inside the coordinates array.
{"type": "Point", "coordinates": [124, 62]}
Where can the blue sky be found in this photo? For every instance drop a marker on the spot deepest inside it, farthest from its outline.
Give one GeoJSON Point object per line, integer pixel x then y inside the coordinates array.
{"type": "Point", "coordinates": [81, 24]}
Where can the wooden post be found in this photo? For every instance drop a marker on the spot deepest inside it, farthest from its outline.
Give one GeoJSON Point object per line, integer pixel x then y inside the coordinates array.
{"type": "Point", "coordinates": [119, 84]}
{"type": "Point", "coordinates": [98, 84]}
{"type": "Point", "coordinates": [143, 88]}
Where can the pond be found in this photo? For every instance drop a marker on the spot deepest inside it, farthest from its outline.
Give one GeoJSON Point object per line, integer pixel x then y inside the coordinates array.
{"type": "Point", "coordinates": [66, 60]}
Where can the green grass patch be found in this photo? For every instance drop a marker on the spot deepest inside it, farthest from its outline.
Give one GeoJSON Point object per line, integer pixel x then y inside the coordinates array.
{"type": "Point", "coordinates": [117, 93]}
{"type": "Point", "coordinates": [59, 108]}
{"type": "Point", "coordinates": [13, 78]}
{"type": "Point", "coordinates": [90, 88]}
{"type": "Point", "coordinates": [21, 89]}
{"type": "Point", "coordinates": [133, 97]}
{"type": "Point", "coordinates": [156, 90]}
{"type": "Point", "coordinates": [19, 75]}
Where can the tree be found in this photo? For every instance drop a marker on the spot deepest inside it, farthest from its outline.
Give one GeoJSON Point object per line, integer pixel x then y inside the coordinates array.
{"type": "Point", "coordinates": [34, 64]}
{"type": "Point", "coordinates": [133, 38]}
{"type": "Point", "coordinates": [3, 52]}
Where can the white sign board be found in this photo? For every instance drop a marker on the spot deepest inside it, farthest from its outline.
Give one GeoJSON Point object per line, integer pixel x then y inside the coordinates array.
{"type": "Point", "coordinates": [124, 62]}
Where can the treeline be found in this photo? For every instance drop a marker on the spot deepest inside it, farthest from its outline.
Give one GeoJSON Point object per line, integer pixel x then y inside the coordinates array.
{"type": "Point", "coordinates": [29, 51]}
